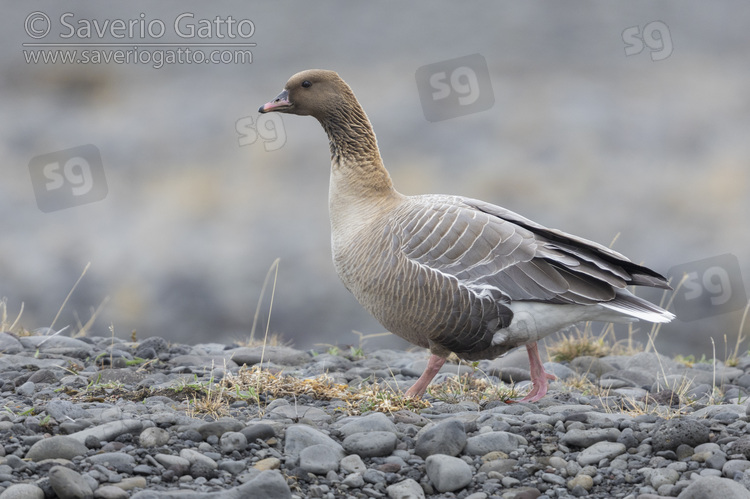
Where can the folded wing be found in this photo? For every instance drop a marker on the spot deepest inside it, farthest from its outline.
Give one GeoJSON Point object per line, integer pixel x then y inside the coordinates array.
{"type": "Point", "coordinates": [490, 249]}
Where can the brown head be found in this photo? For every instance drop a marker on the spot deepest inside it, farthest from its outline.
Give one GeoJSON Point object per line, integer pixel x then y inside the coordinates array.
{"type": "Point", "coordinates": [324, 95]}
{"type": "Point", "coordinates": [314, 92]}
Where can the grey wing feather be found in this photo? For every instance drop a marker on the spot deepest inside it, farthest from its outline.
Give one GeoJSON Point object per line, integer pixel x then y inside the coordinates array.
{"type": "Point", "coordinates": [484, 245]}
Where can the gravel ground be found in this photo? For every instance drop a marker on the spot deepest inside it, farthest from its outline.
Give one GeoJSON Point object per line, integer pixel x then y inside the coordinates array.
{"type": "Point", "coordinates": [80, 421]}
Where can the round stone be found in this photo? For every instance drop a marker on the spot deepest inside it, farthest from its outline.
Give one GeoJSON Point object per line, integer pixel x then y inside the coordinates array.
{"type": "Point", "coordinates": [447, 437]}
{"type": "Point", "coordinates": [372, 444]}
{"type": "Point", "coordinates": [582, 480]}
{"type": "Point", "coordinates": [233, 441]}
{"type": "Point", "coordinates": [319, 459]}
{"type": "Point", "coordinates": [60, 447]}
{"type": "Point", "coordinates": [447, 473]}
{"type": "Point", "coordinates": [153, 437]}
{"type": "Point", "coordinates": [69, 484]}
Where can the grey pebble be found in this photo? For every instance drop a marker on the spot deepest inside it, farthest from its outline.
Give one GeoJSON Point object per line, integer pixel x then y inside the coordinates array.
{"type": "Point", "coordinates": [153, 437]}
{"type": "Point", "coordinates": [501, 466]}
{"type": "Point", "coordinates": [509, 374]}
{"type": "Point", "coordinates": [633, 378]}
{"type": "Point", "coordinates": [649, 362]}
{"type": "Point", "coordinates": [109, 431]}
{"type": "Point", "coordinates": [218, 428]}
{"type": "Point", "coordinates": [69, 484]}
{"type": "Point", "coordinates": [110, 492]}
{"type": "Point", "coordinates": [585, 438]}
{"type": "Point", "coordinates": [671, 433]}
{"type": "Point", "coordinates": [157, 344]}
{"type": "Point", "coordinates": [136, 482]}
{"type": "Point", "coordinates": [26, 389]}
{"type": "Point", "coordinates": [735, 466]}
{"type": "Point", "coordinates": [22, 491]}
{"type": "Point", "coordinates": [502, 441]}
{"type": "Point", "coordinates": [376, 421]}
{"type": "Point", "coordinates": [742, 446]}
{"type": "Point", "coordinates": [232, 441]}
{"type": "Point", "coordinates": [9, 344]}
{"type": "Point", "coordinates": [447, 473]}
{"type": "Point", "coordinates": [684, 451]}
{"type": "Point", "coordinates": [119, 461]}
{"type": "Point", "coordinates": [57, 447]}
{"type": "Point", "coordinates": [583, 481]}
{"type": "Point", "coordinates": [591, 365]}
{"type": "Point", "coordinates": [300, 436]}
{"type": "Point", "coordinates": [714, 487]}
{"type": "Point", "coordinates": [265, 485]}
{"type": "Point", "coordinates": [352, 464]}
{"type": "Point", "coordinates": [628, 438]}
{"type": "Point", "coordinates": [663, 476]}
{"type": "Point", "coordinates": [371, 444]}
{"type": "Point", "coordinates": [562, 372]}
{"type": "Point", "coordinates": [446, 437]}
{"type": "Point", "coordinates": [554, 479]}
{"type": "Point", "coordinates": [178, 465]}
{"type": "Point", "coordinates": [405, 489]}
{"type": "Point", "coordinates": [257, 431]}
{"type": "Point", "coordinates": [297, 412]}
{"type": "Point", "coordinates": [195, 457]}
{"type": "Point", "coordinates": [319, 459]}
{"type": "Point", "coordinates": [716, 461]}
{"type": "Point", "coordinates": [64, 410]}
{"type": "Point", "coordinates": [373, 476]}
{"type": "Point", "coordinates": [599, 451]}
{"type": "Point", "coordinates": [64, 345]}
{"type": "Point", "coordinates": [354, 480]}
{"type": "Point", "coordinates": [232, 466]}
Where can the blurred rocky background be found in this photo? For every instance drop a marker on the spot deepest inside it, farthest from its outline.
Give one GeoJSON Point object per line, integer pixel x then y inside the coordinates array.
{"type": "Point", "coordinates": [653, 146]}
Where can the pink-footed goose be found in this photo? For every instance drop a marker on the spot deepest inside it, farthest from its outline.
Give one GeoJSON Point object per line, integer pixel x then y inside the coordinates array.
{"type": "Point", "coordinates": [449, 273]}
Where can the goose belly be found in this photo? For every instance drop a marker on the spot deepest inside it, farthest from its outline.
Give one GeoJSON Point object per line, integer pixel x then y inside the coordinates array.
{"type": "Point", "coordinates": [426, 308]}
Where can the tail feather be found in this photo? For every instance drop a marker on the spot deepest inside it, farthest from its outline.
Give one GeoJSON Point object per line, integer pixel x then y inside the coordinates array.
{"type": "Point", "coordinates": [633, 306]}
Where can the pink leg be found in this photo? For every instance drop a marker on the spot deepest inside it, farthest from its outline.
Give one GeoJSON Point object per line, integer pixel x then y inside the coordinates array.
{"type": "Point", "coordinates": [539, 376]}
{"type": "Point", "coordinates": [433, 366]}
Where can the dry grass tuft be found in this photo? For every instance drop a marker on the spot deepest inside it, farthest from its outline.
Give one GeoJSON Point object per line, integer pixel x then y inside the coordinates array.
{"type": "Point", "coordinates": [11, 327]}
{"type": "Point", "coordinates": [733, 359]}
{"type": "Point", "coordinates": [579, 342]}
{"type": "Point", "coordinates": [275, 269]}
{"type": "Point", "coordinates": [211, 402]}
{"type": "Point", "coordinates": [368, 397]}
{"type": "Point", "coordinates": [374, 397]}
{"type": "Point", "coordinates": [256, 381]}
{"type": "Point", "coordinates": [470, 388]}
{"type": "Point", "coordinates": [82, 327]}
{"type": "Point", "coordinates": [673, 403]}
{"type": "Point", "coordinates": [582, 384]}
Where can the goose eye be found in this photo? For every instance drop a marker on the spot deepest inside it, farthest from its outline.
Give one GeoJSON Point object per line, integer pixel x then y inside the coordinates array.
{"type": "Point", "coordinates": [307, 84]}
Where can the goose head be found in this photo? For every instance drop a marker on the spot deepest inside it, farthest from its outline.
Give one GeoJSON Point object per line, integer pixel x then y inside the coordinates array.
{"type": "Point", "coordinates": [313, 92]}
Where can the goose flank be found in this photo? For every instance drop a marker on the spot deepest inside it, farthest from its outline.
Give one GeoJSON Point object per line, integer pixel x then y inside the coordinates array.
{"type": "Point", "coordinates": [450, 273]}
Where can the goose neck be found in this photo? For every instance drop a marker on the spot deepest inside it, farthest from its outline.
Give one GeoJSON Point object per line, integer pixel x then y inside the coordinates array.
{"type": "Point", "coordinates": [356, 165]}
